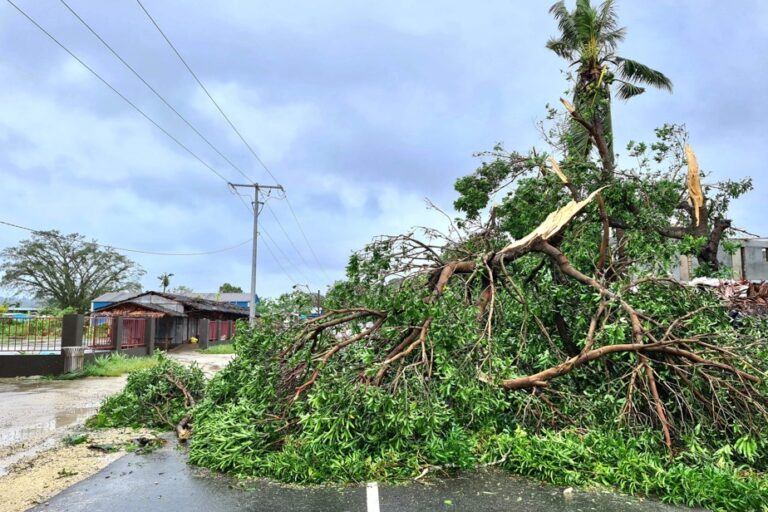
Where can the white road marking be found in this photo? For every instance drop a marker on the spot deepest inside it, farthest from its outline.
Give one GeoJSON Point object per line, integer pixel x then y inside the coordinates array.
{"type": "Point", "coordinates": [372, 497]}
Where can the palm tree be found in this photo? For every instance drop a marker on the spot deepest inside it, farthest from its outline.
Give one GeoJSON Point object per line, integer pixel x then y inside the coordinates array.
{"type": "Point", "coordinates": [165, 280]}
{"type": "Point", "coordinates": [589, 37]}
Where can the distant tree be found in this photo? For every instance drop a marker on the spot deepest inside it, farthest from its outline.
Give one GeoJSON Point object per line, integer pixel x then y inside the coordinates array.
{"type": "Point", "coordinates": [230, 288]}
{"type": "Point", "coordinates": [182, 290]}
{"type": "Point", "coordinates": [66, 271]}
{"type": "Point", "coordinates": [165, 280]}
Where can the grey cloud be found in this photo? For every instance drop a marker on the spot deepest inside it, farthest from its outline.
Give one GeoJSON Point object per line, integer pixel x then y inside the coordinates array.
{"type": "Point", "coordinates": [361, 110]}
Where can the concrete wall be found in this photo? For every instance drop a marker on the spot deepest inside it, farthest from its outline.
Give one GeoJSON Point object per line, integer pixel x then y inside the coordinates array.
{"type": "Point", "coordinates": [755, 265]}
{"type": "Point", "coordinates": [748, 262]}
{"type": "Point", "coordinates": [27, 365]}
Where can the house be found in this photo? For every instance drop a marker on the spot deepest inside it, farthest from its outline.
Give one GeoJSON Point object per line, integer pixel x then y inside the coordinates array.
{"type": "Point", "coordinates": [749, 262]}
{"type": "Point", "coordinates": [107, 299]}
{"type": "Point", "coordinates": [177, 316]}
{"type": "Point", "coordinates": [237, 299]}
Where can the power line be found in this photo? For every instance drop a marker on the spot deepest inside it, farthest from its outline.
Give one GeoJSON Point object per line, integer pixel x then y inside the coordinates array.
{"type": "Point", "coordinates": [290, 241]}
{"type": "Point", "coordinates": [113, 89]}
{"type": "Point", "coordinates": [154, 91]}
{"type": "Point", "coordinates": [205, 89]}
{"type": "Point", "coordinates": [146, 116]}
{"type": "Point", "coordinates": [105, 82]}
{"type": "Point", "coordinates": [275, 259]}
{"type": "Point", "coordinates": [263, 231]}
{"type": "Point", "coordinates": [140, 251]}
{"type": "Point", "coordinates": [176, 111]}
{"type": "Point", "coordinates": [157, 253]}
{"type": "Point", "coordinates": [239, 134]}
{"type": "Point", "coordinates": [306, 239]}
{"type": "Point", "coordinates": [285, 257]}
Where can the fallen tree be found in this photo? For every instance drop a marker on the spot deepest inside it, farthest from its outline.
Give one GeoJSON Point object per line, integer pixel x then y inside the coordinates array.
{"type": "Point", "coordinates": [439, 350]}
{"type": "Point", "coordinates": [540, 332]}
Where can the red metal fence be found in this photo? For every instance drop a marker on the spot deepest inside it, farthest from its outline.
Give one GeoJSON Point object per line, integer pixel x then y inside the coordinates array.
{"type": "Point", "coordinates": [39, 334]}
{"type": "Point", "coordinates": [212, 331]}
{"type": "Point", "coordinates": [133, 332]}
{"type": "Point", "coordinates": [44, 334]}
{"type": "Point", "coordinates": [97, 333]}
{"type": "Point", "coordinates": [225, 333]}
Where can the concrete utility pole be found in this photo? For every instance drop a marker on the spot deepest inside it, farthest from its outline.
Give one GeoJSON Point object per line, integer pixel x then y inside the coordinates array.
{"type": "Point", "coordinates": [256, 209]}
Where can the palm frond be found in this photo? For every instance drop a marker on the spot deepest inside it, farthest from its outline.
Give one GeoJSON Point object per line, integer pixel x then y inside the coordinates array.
{"type": "Point", "coordinates": [632, 70]}
{"type": "Point", "coordinates": [585, 21]}
{"type": "Point", "coordinates": [612, 38]}
{"type": "Point", "coordinates": [580, 142]}
{"type": "Point", "coordinates": [628, 90]}
{"type": "Point", "coordinates": [561, 48]}
{"type": "Point", "coordinates": [564, 23]}
{"type": "Point", "coordinates": [606, 18]}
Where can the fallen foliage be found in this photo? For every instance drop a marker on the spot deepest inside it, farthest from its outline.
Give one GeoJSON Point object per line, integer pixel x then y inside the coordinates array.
{"type": "Point", "coordinates": [160, 396]}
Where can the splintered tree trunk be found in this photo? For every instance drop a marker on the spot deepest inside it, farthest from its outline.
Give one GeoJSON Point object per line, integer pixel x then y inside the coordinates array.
{"type": "Point", "coordinates": [707, 255]}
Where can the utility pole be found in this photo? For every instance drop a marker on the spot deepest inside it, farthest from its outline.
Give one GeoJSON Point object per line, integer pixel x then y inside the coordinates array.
{"type": "Point", "coordinates": [256, 209]}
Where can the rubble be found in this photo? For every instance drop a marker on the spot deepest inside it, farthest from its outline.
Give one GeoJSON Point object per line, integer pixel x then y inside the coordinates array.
{"type": "Point", "coordinates": [744, 296]}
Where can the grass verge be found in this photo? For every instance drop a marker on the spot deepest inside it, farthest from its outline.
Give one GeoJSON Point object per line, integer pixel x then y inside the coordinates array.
{"type": "Point", "coordinates": [219, 349]}
{"type": "Point", "coordinates": [111, 365]}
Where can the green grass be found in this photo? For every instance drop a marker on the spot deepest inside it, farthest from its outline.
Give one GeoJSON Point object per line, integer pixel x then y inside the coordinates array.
{"type": "Point", "coordinates": [110, 365]}
{"type": "Point", "coordinates": [219, 349]}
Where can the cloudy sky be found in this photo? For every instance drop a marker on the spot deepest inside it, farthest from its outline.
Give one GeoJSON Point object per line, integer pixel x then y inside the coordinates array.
{"type": "Point", "coordinates": [360, 109]}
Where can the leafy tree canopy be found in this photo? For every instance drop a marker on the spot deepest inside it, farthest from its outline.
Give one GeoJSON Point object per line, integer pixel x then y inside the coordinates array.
{"type": "Point", "coordinates": [182, 290]}
{"type": "Point", "coordinates": [66, 271]}
{"type": "Point", "coordinates": [230, 288]}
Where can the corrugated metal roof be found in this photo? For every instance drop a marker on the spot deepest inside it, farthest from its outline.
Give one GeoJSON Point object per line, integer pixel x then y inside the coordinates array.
{"type": "Point", "coordinates": [114, 296]}
{"type": "Point", "coordinates": [219, 297]}
{"type": "Point", "coordinates": [154, 307]}
{"type": "Point", "coordinates": [222, 297]}
{"type": "Point", "coordinates": [176, 304]}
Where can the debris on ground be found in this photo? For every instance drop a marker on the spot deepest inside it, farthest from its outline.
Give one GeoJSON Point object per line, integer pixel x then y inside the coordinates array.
{"type": "Point", "coordinates": [750, 297]}
{"type": "Point", "coordinates": [34, 480]}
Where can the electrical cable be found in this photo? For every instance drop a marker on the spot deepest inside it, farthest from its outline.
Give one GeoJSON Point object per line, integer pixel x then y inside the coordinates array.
{"type": "Point", "coordinates": [284, 256]}
{"type": "Point", "coordinates": [178, 114]}
{"type": "Point", "coordinates": [111, 87]}
{"type": "Point", "coordinates": [290, 241]}
{"type": "Point", "coordinates": [276, 260]}
{"type": "Point", "coordinates": [237, 131]}
{"type": "Point", "coordinates": [154, 91]}
{"type": "Point", "coordinates": [158, 126]}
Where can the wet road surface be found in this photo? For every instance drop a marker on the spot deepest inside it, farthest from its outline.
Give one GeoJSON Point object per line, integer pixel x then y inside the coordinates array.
{"type": "Point", "coordinates": [37, 413]}
{"type": "Point", "coordinates": [162, 481]}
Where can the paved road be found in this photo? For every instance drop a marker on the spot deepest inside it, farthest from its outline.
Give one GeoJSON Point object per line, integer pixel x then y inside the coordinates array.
{"type": "Point", "coordinates": [162, 482]}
